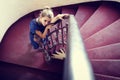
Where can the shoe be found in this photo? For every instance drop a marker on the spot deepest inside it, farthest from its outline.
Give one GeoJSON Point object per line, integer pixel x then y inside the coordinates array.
{"type": "Point", "coordinates": [47, 56]}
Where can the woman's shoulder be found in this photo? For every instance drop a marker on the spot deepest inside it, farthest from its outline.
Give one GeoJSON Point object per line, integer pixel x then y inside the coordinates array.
{"type": "Point", "coordinates": [33, 22]}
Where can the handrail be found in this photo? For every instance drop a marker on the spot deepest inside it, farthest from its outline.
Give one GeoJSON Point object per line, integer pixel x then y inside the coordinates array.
{"type": "Point", "coordinates": [55, 40]}
{"type": "Point", "coordinates": [77, 65]}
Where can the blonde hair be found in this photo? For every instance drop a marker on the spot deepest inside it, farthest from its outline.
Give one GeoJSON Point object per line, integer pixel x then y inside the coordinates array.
{"type": "Point", "coordinates": [47, 11]}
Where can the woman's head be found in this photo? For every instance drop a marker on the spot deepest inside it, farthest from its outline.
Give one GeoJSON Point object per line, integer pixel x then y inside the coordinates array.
{"type": "Point", "coordinates": [45, 16]}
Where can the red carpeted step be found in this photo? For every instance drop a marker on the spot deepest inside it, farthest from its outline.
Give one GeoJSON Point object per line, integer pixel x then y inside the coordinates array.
{"type": "Point", "coordinates": [105, 52]}
{"type": "Point", "coordinates": [69, 10]}
{"type": "Point", "coordinates": [57, 11]}
{"type": "Point", "coordinates": [108, 35]}
{"type": "Point", "coordinates": [105, 77]}
{"type": "Point", "coordinates": [104, 16]}
{"type": "Point", "coordinates": [108, 67]}
{"type": "Point", "coordinates": [83, 13]}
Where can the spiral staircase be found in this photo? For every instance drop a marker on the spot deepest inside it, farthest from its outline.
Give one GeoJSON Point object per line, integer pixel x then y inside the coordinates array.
{"type": "Point", "coordinates": [99, 25]}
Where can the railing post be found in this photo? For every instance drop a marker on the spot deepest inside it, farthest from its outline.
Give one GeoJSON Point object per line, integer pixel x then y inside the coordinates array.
{"type": "Point", "coordinates": [77, 65]}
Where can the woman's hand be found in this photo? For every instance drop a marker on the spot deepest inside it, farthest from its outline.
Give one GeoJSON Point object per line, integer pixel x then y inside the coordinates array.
{"type": "Point", "coordinates": [49, 26]}
{"type": "Point", "coordinates": [62, 16]}
{"type": "Point", "coordinates": [60, 55]}
{"type": "Point", "coordinates": [59, 17]}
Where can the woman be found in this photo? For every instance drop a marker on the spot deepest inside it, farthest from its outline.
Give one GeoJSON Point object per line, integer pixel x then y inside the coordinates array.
{"type": "Point", "coordinates": [40, 26]}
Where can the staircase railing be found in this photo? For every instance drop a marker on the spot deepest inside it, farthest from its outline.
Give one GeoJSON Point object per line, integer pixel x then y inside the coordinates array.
{"type": "Point", "coordinates": [77, 65]}
{"type": "Point", "coordinates": [55, 40]}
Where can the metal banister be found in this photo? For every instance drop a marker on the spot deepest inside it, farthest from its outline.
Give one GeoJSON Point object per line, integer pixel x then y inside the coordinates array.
{"type": "Point", "coordinates": [77, 65]}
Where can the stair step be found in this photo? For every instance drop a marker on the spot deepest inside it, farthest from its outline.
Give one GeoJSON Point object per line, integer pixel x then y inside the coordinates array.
{"type": "Point", "coordinates": [105, 77]}
{"type": "Point", "coordinates": [84, 12]}
{"type": "Point", "coordinates": [69, 10]}
{"type": "Point", "coordinates": [57, 11]}
{"type": "Point", "coordinates": [106, 36]}
{"type": "Point", "coordinates": [109, 67]}
{"type": "Point", "coordinates": [105, 52]}
{"type": "Point", "coordinates": [103, 16]}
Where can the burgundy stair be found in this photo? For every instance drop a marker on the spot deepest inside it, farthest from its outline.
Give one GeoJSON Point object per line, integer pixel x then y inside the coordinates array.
{"type": "Point", "coordinates": [105, 77]}
{"type": "Point", "coordinates": [103, 16]}
{"type": "Point", "coordinates": [68, 10]}
{"type": "Point", "coordinates": [108, 67]}
{"type": "Point", "coordinates": [84, 12]}
{"type": "Point", "coordinates": [108, 35]}
{"type": "Point", "coordinates": [105, 52]}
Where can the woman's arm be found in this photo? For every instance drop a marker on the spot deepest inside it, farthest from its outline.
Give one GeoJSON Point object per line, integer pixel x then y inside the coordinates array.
{"type": "Point", "coordinates": [43, 35]}
{"type": "Point", "coordinates": [53, 21]}
{"type": "Point", "coordinates": [59, 17]}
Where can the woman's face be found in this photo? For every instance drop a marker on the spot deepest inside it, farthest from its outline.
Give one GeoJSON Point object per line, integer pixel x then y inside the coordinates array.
{"type": "Point", "coordinates": [45, 20]}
